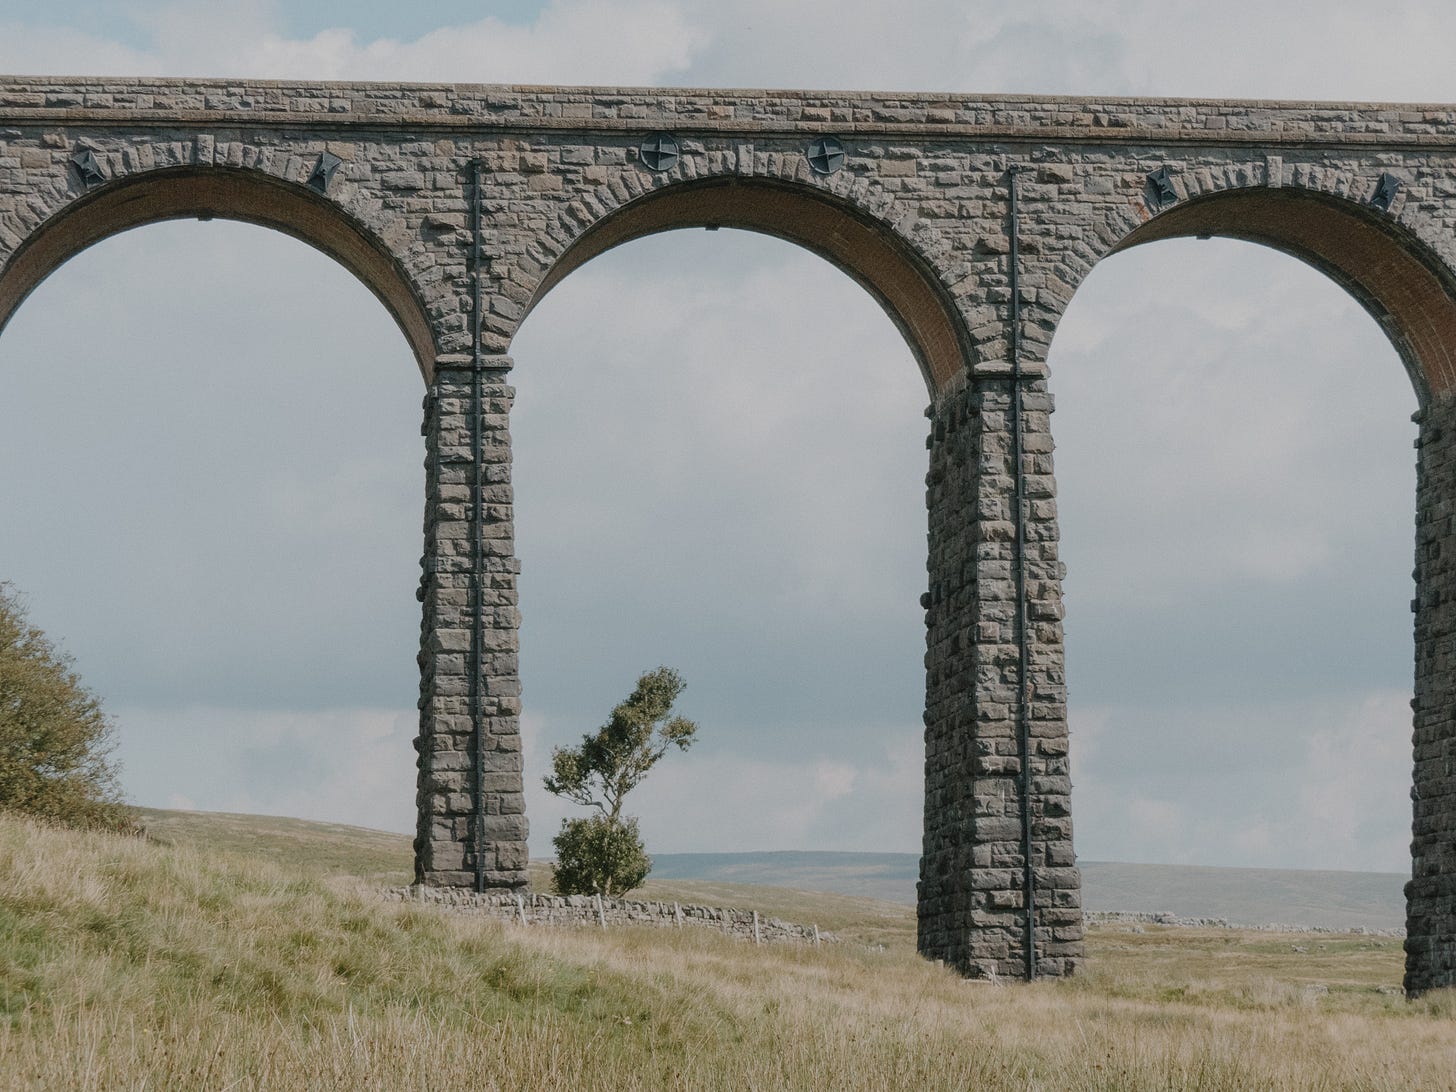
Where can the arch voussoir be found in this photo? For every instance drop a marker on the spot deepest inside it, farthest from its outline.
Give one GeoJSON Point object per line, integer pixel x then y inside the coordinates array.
{"type": "Point", "coordinates": [780, 190]}
{"type": "Point", "coordinates": [144, 182]}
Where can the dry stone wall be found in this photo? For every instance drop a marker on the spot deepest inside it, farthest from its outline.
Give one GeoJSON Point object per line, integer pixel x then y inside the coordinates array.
{"type": "Point", "coordinates": [587, 910]}
{"type": "Point", "coordinates": [460, 206]}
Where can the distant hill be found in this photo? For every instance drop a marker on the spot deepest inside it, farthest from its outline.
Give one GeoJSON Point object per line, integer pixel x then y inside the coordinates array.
{"type": "Point", "coordinates": [1340, 900]}
{"type": "Point", "coordinates": [887, 876]}
{"type": "Point", "coordinates": [1337, 900]}
{"type": "Point", "coordinates": [1251, 896]}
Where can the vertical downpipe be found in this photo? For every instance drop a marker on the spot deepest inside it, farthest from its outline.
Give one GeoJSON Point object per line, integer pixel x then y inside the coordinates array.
{"type": "Point", "coordinates": [477, 515]}
{"type": "Point", "coordinates": [1023, 637]}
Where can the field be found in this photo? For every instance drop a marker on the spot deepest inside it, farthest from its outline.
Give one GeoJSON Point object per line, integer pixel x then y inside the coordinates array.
{"type": "Point", "coordinates": [1304, 897]}
{"type": "Point", "coordinates": [230, 952]}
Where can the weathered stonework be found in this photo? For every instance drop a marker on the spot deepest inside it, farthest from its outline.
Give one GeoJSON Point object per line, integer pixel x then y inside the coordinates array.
{"type": "Point", "coordinates": [577, 911]}
{"type": "Point", "coordinates": [470, 799]}
{"type": "Point", "coordinates": [382, 176]}
{"type": "Point", "coordinates": [971, 897]}
{"type": "Point", "coordinates": [1431, 893]}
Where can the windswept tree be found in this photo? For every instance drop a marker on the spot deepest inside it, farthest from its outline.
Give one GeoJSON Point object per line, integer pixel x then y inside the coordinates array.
{"type": "Point", "coordinates": [603, 854]}
{"type": "Point", "coordinates": [55, 740]}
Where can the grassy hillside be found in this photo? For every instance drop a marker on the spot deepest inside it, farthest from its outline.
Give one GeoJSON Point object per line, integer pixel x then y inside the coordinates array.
{"type": "Point", "coordinates": [324, 849]}
{"type": "Point", "coordinates": [329, 849]}
{"type": "Point", "coordinates": [1344, 900]}
{"type": "Point", "coordinates": [128, 963]}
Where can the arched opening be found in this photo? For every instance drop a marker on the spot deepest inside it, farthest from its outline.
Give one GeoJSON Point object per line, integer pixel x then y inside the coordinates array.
{"type": "Point", "coordinates": [1385, 267]}
{"type": "Point", "coordinates": [741, 498]}
{"type": "Point", "coordinates": [878, 259]}
{"type": "Point", "coordinates": [1236, 497]}
{"type": "Point", "coordinates": [202, 194]}
{"type": "Point", "coordinates": [212, 460]}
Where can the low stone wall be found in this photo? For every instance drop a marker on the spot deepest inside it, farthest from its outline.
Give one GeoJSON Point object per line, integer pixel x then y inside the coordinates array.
{"type": "Point", "coordinates": [1115, 917]}
{"type": "Point", "coordinates": [579, 910]}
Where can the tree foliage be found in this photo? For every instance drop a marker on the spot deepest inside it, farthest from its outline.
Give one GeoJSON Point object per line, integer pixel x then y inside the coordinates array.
{"type": "Point", "coordinates": [55, 740]}
{"type": "Point", "coordinates": [609, 764]}
{"type": "Point", "coordinates": [596, 856]}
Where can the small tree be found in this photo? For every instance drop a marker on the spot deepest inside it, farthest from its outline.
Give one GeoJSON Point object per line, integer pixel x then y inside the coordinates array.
{"type": "Point", "coordinates": [55, 741]}
{"type": "Point", "coordinates": [603, 854]}
{"type": "Point", "coordinates": [596, 856]}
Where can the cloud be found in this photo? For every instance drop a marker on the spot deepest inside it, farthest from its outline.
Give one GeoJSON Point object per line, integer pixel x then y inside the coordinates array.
{"type": "Point", "coordinates": [58, 50]}
{"type": "Point", "coordinates": [570, 41]}
{"type": "Point", "coordinates": [230, 512]}
{"type": "Point", "coordinates": [1208, 404]}
{"type": "Point", "coordinates": [1344, 51]}
{"type": "Point", "coordinates": [1347, 51]}
{"type": "Point", "coordinates": [717, 798]}
{"type": "Point", "coordinates": [733, 482]}
{"type": "Point", "coordinates": [340, 765]}
{"type": "Point", "coordinates": [1307, 783]}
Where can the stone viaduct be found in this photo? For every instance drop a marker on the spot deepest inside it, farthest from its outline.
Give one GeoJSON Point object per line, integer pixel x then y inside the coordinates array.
{"type": "Point", "coordinates": [971, 219]}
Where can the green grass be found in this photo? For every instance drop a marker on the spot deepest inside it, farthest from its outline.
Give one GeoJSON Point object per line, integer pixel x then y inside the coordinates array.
{"type": "Point", "coordinates": [257, 959]}
{"type": "Point", "coordinates": [330, 849]}
{"type": "Point", "coordinates": [323, 849]}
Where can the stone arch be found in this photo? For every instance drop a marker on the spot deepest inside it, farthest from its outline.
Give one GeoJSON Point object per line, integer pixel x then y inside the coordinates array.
{"type": "Point", "coordinates": [205, 192]}
{"type": "Point", "coordinates": [1400, 266]}
{"type": "Point", "coordinates": [1392, 267]}
{"type": "Point", "coordinates": [842, 222]}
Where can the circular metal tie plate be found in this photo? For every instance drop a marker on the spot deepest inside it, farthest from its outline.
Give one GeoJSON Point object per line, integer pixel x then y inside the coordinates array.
{"type": "Point", "coordinates": [659, 152]}
{"type": "Point", "coordinates": [825, 155]}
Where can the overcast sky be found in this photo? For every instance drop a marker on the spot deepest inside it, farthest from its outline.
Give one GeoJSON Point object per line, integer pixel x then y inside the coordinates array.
{"type": "Point", "coordinates": [212, 462]}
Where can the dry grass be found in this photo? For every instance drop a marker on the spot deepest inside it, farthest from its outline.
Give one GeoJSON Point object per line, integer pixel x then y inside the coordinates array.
{"type": "Point", "coordinates": [332, 849]}
{"type": "Point", "coordinates": [128, 964]}
{"type": "Point", "coordinates": [301, 845]}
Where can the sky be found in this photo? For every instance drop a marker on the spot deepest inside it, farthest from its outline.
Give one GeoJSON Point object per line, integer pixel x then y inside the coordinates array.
{"type": "Point", "coordinates": [213, 483]}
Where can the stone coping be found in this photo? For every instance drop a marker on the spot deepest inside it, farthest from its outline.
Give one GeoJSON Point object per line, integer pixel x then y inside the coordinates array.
{"type": "Point", "coordinates": [487, 107]}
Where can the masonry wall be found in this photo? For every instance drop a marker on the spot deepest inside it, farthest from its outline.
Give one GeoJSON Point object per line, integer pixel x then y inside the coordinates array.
{"type": "Point", "coordinates": [381, 177]}
{"type": "Point", "coordinates": [586, 911]}
{"type": "Point", "coordinates": [972, 875]}
{"type": "Point", "coordinates": [472, 810]}
{"type": "Point", "coordinates": [945, 925]}
{"type": "Point", "coordinates": [1431, 893]}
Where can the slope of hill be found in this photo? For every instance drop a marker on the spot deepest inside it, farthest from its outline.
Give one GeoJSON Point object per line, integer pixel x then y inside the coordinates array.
{"type": "Point", "coordinates": [321, 848]}
{"type": "Point", "coordinates": [333, 849]}
{"type": "Point", "coordinates": [129, 963]}
{"type": "Point", "coordinates": [1337, 900]}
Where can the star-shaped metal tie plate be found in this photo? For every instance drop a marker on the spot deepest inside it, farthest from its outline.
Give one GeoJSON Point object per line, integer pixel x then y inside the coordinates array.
{"type": "Point", "coordinates": [1161, 181]}
{"type": "Point", "coordinates": [89, 167]}
{"type": "Point", "coordinates": [659, 152]}
{"type": "Point", "coordinates": [825, 155]}
{"type": "Point", "coordinates": [1386, 188]}
{"type": "Point", "coordinates": [323, 171]}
